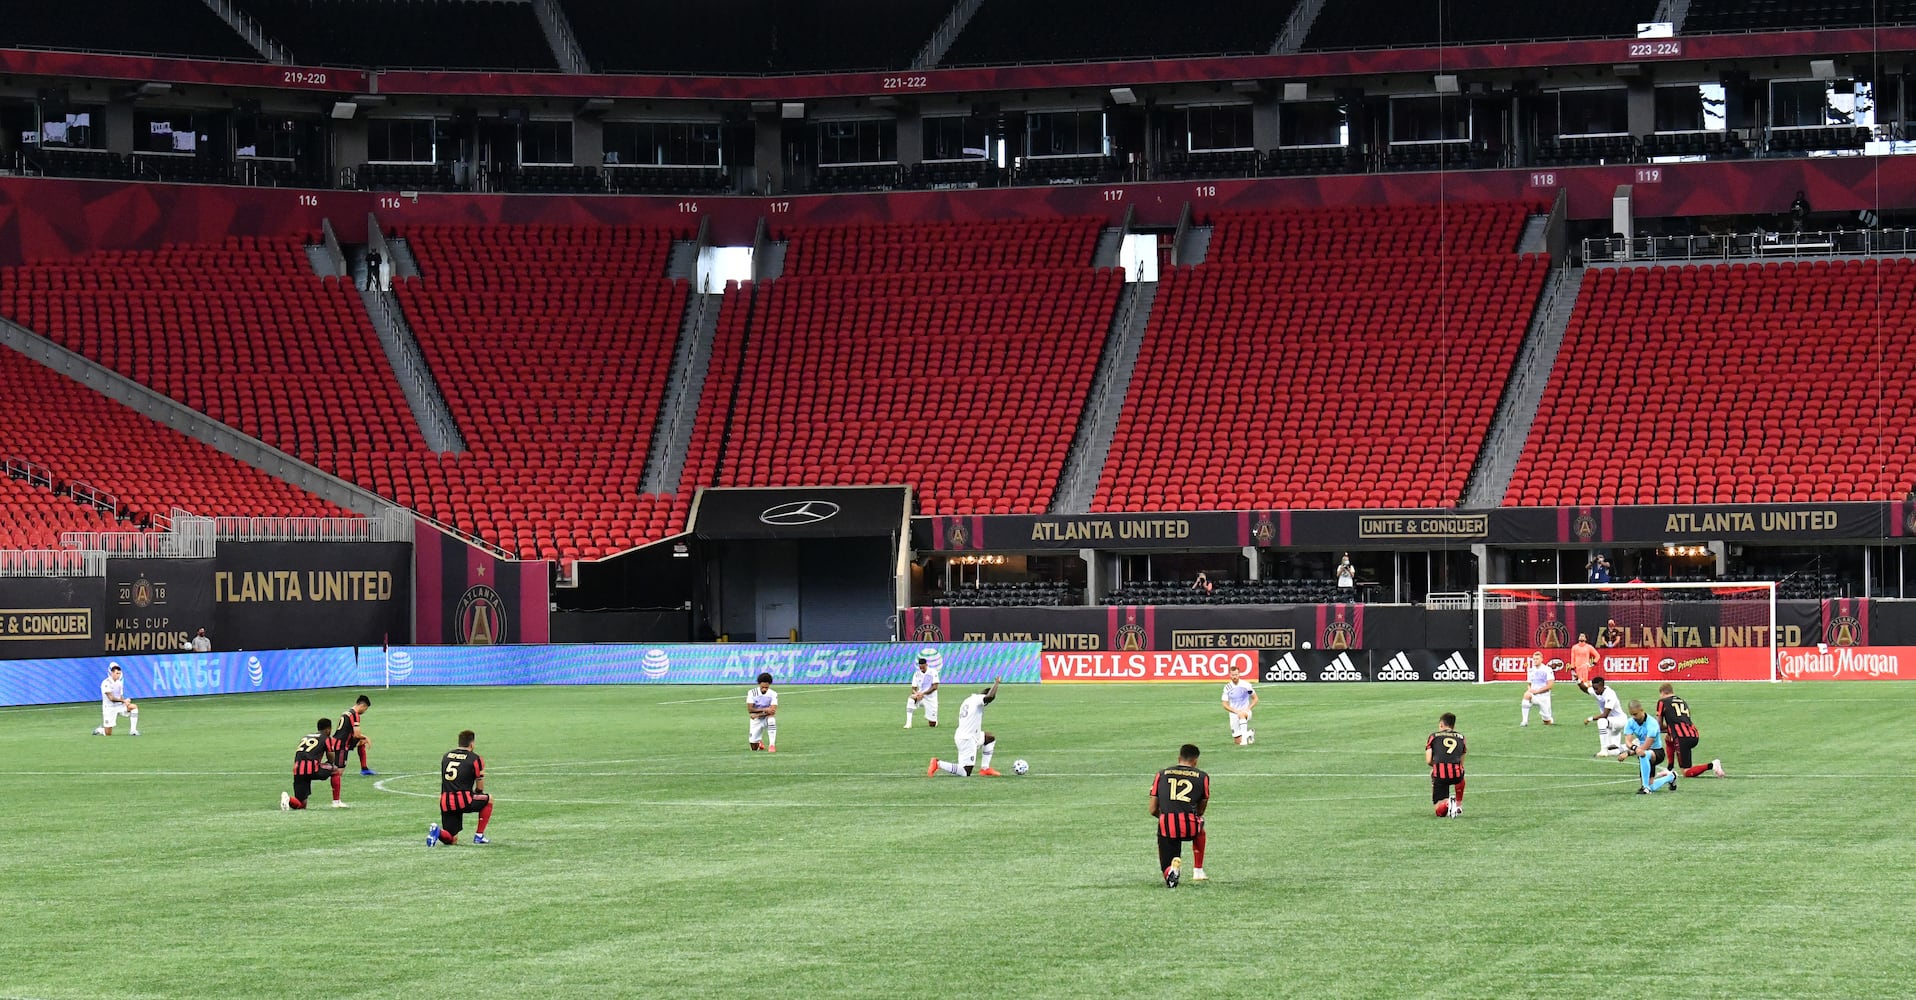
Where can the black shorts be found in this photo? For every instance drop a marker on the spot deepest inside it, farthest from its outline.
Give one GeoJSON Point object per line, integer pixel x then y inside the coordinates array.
{"type": "Point", "coordinates": [1170, 849]}
{"type": "Point", "coordinates": [1680, 747]}
{"type": "Point", "coordinates": [455, 821]}
{"type": "Point", "coordinates": [303, 783]}
{"type": "Point", "coordinates": [1440, 788]}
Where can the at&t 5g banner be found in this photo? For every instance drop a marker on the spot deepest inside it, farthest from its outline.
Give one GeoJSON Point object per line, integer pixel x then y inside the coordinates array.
{"type": "Point", "coordinates": [77, 679]}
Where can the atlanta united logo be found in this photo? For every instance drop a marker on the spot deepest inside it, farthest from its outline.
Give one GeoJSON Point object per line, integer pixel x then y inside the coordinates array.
{"type": "Point", "coordinates": [1264, 532]}
{"type": "Point", "coordinates": [1131, 636]}
{"type": "Point", "coordinates": [1845, 630]}
{"type": "Point", "coordinates": [481, 619]}
{"type": "Point", "coordinates": [957, 536]}
{"type": "Point", "coordinates": [142, 593]}
{"type": "Point", "coordinates": [928, 631]}
{"type": "Point", "coordinates": [1340, 635]}
{"type": "Point", "coordinates": [1553, 635]}
{"type": "Point", "coordinates": [1585, 526]}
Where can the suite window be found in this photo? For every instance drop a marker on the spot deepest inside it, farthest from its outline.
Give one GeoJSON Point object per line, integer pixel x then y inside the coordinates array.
{"type": "Point", "coordinates": [1224, 128]}
{"type": "Point", "coordinates": [1066, 133]}
{"type": "Point", "coordinates": [663, 144]}
{"type": "Point", "coordinates": [959, 137]}
{"type": "Point", "coordinates": [1601, 111]}
{"type": "Point", "coordinates": [402, 140]}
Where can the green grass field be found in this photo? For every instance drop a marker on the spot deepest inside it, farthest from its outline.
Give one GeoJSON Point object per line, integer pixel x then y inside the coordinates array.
{"type": "Point", "coordinates": [641, 851]}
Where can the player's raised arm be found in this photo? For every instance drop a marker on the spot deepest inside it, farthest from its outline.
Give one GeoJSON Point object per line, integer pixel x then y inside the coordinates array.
{"type": "Point", "coordinates": [991, 693]}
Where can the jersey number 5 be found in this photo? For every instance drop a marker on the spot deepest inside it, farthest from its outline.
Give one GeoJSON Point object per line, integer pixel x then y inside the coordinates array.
{"type": "Point", "coordinates": [452, 770]}
{"type": "Point", "coordinates": [1180, 789]}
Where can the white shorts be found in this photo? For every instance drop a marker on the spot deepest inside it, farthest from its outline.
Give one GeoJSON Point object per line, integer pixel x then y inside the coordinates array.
{"type": "Point", "coordinates": [1239, 725]}
{"type": "Point", "coordinates": [968, 750]}
{"type": "Point", "coordinates": [108, 713]}
{"type": "Point", "coordinates": [929, 703]}
{"type": "Point", "coordinates": [1539, 699]}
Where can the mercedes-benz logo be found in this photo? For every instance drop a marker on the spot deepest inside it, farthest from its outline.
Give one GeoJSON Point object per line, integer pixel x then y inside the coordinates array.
{"type": "Point", "coordinates": [800, 512]}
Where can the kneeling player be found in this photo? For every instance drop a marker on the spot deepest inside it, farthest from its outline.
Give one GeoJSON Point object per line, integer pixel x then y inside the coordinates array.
{"type": "Point", "coordinates": [1680, 735]}
{"type": "Point", "coordinates": [462, 789]}
{"type": "Point", "coordinates": [313, 758]}
{"type": "Point", "coordinates": [114, 703]}
{"type": "Point", "coordinates": [1609, 718]}
{"type": "Point", "coordinates": [761, 706]}
{"type": "Point", "coordinates": [1643, 739]}
{"type": "Point", "coordinates": [1538, 691]}
{"type": "Point", "coordinates": [1239, 699]}
{"type": "Point", "coordinates": [350, 737]}
{"type": "Point", "coordinates": [1179, 796]}
{"type": "Point", "coordinates": [975, 746]}
{"type": "Point", "coordinates": [1444, 751]}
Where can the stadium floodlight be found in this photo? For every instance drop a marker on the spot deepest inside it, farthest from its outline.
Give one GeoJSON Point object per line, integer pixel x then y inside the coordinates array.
{"type": "Point", "coordinates": [344, 109]}
{"type": "Point", "coordinates": [1725, 630]}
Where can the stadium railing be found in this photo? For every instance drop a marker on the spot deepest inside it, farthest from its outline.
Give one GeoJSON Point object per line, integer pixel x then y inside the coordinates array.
{"type": "Point", "coordinates": [1744, 246]}
{"type": "Point", "coordinates": [52, 562]}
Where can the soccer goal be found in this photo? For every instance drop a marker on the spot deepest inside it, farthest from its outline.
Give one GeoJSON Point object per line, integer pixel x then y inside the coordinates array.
{"type": "Point", "coordinates": [1641, 631]}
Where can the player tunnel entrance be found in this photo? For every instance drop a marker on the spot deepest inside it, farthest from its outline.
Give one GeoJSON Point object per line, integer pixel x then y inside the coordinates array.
{"type": "Point", "coordinates": [818, 564]}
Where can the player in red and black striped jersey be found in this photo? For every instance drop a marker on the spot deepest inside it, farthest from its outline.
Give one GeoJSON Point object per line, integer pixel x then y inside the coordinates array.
{"type": "Point", "coordinates": [462, 789]}
{"type": "Point", "coordinates": [1179, 796]}
{"type": "Point", "coordinates": [1444, 751]}
{"type": "Point", "coordinates": [313, 758]}
{"type": "Point", "coordinates": [1680, 734]}
{"type": "Point", "coordinates": [350, 737]}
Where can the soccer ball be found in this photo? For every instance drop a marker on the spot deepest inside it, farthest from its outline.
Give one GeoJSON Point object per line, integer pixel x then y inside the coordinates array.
{"type": "Point", "coordinates": [1019, 767]}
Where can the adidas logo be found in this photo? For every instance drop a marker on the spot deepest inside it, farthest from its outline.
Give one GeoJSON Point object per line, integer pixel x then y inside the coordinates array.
{"type": "Point", "coordinates": [1455, 668]}
{"type": "Point", "coordinates": [1285, 669]}
{"type": "Point", "coordinates": [1341, 669]}
{"type": "Point", "coordinates": [1398, 668]}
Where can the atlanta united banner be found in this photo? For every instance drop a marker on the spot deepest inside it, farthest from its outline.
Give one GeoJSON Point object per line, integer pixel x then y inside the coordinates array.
{"type": "Point", "coordinates": [468, 597]}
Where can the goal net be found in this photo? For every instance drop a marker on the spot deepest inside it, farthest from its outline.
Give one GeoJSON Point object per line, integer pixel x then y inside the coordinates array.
{"type": "Point", "coordinates": [1645, 632]}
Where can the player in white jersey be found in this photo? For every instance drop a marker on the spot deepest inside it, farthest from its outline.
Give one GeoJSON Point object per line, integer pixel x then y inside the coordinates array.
{"type": "Point", "coordinates": [114, 703]}
{"type": "Point", "coordinates": [761, 704]}
{"type": "Point", "coordinates": [924, 688]}
{"type": "Point", "coordinates": [1239, 698]}
{"type": "Point", "coordinates": [975, 746]}
{"type": "Point", "coordinates": [1537, 692]}
{"type": "Point", "coordinates": [1610, 719]}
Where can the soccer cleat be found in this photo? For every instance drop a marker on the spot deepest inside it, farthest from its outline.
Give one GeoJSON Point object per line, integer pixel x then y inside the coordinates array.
{"type": "Point", "coordinates": [285, 801]}
{"type": "Point", "coordinates": [1642, 790]}
{"type": "Point", "coordinates": [340, 804]}
{"type": "Point", "coordinates": [99, 732]}
{"type": "Point", "coordinates": [367, 772]}
{"type": "Point", "coordinates": [990, 772]}
{"type": "Point", "coordinates": [1549, 722]}
{"type": "Point", "coordinates": [1197, 875]}
{"type": "Point", "coordinates": [1716, 768]}
{"type": "Point", "coordinates": [1450, 807]}
{"type": "Point", "coordinates": [480, 838]}
{"type": "Point", "coordinates": [770, 749]}
{"type": "Point", "coordinates": [932, 771]}
{"type": "Point", "coordinates": [134, 733]}
{"type": "Point", "coordinates": [907, 725]}
{"type": "Point", "coordinates": [753, 746]}
{"type": "Point", "coordinates": [432, 835]}
{"type": "Point", "coordinates": [1171, 874]}
{"type": "Point", "coordinates": [1250, 737]}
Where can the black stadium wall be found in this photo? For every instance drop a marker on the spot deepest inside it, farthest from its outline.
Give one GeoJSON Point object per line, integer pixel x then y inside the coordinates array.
{"type": "Point", "coordinates": [1282, 628]}
{"type": "Point", "coordinates": [252, 595]}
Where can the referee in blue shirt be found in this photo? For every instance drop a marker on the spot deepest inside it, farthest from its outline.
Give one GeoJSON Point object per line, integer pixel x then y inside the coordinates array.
{"type": "Point", "coordinates": [1645, 737]}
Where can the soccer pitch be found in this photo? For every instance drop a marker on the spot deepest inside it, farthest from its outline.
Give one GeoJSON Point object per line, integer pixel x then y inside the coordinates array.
{"type": "Point", "coordinates": [641, 851]}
